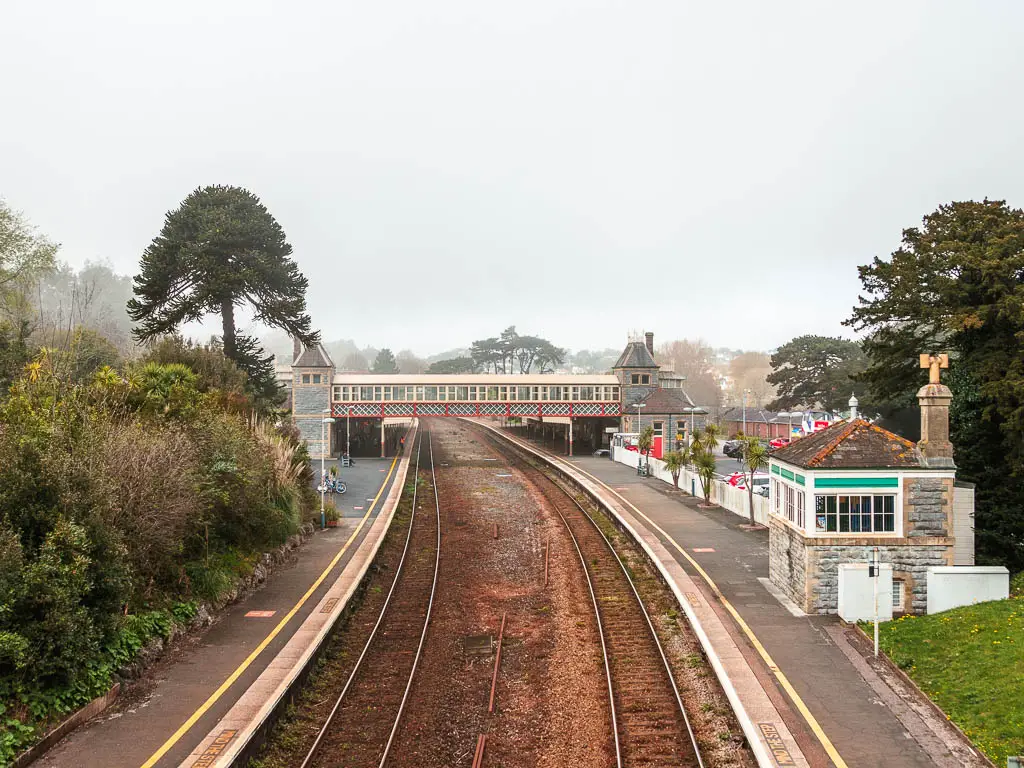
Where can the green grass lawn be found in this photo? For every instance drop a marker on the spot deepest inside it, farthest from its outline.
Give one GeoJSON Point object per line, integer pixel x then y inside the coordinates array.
{"type": "Point", "coordinates": [970, 661]}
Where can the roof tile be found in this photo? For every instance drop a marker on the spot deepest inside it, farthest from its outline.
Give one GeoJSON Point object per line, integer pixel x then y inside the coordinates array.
{"type": "Point", "coordinates": [854, 444]}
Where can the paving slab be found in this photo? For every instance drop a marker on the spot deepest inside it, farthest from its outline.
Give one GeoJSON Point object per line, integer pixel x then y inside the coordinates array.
{"type": "Point", "coordinates": [858, 722]}
{"type": "Point", "coordinates": [133, 730]}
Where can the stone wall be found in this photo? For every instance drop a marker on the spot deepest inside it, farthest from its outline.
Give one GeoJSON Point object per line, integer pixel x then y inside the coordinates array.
{"type": "Point", "coordinates": [308, 404]}
{"type": "Point", "coordinates": [311, 399]}
{"type": "Point", "coordinates": [928, 503]}
{"type": "Point", "coordinates": [807, 569]}
{"type": "Point", "coordinates": [787, 561]}
{"type": "Point", "coordinates": [910, 563]}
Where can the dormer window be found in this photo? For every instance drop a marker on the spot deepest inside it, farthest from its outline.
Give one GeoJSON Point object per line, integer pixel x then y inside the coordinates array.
{"type": "Point", "coordinates": [640, 379]}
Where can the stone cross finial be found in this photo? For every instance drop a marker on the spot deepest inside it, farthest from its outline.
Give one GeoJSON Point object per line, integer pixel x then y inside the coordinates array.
{"type": "Point", "coordinates": [933, 363]}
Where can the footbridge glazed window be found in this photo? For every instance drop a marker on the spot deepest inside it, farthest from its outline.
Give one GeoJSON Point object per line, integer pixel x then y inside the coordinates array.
{"type": "Point", "coordinates": [855, 514]}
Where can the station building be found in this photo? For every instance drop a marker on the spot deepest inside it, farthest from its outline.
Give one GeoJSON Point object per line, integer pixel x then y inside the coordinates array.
{"type": "Point", "coordinates": [575, 412]}
{"type": "Point", "coordinates": [839, 495]}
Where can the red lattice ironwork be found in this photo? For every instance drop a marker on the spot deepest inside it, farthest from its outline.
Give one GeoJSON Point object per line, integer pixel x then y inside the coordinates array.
{"type": "Point", "coordinates": [374, 410]}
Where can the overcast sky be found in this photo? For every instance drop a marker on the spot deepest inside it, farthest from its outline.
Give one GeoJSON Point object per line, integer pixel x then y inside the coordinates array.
{"type": "Point", "coordinates": [578, 168]}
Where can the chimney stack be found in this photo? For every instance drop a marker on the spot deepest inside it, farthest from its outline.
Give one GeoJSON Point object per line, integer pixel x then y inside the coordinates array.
{"type": "Point", "coordinates": [853, 406]}
{"type": "Point", "coordinates": [649, 337]}
{"type": "Point", "coordinates": [296, 349]}
{"type": "Point", "coordinates": [935, 398]}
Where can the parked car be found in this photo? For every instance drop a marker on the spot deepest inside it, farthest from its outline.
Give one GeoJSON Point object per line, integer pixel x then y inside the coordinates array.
{"type": "Point", "coordinates": [778, 442]}
{"type": "Point", "coordinates": [601, 452]}
{"type": "Point", "coordinates": [732, 448]}
{"type": "Point", "coordinates": [734, 478]}
{"type": "Point", "coordinates": [761, 480]}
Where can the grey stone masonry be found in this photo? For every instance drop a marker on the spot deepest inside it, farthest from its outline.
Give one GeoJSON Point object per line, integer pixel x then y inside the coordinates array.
{"type": "Point", "coordinates": [311, 399]}
{"type": "Point", "coordinates": [787, 561]}
{"type": "Point", "coordinates": [309, 429]}
{"type": "Point", "coordinates": [927, 506]}
{"type": "Point", "coordinates": [808, 572]}
{"type": "Point", "coordinates": [910, 564]}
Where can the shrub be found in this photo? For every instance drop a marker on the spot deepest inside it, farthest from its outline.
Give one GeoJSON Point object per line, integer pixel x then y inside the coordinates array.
{"type": "Point", "coordinates": [1017, 584]}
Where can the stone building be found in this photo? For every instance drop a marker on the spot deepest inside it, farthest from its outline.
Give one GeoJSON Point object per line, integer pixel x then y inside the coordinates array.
{"type": "Point", "coordinates": [312, 377]}
{"type": "Point", "coordinates": [839, 493]}
{"type": "Point", "coordinates": [664, 405]}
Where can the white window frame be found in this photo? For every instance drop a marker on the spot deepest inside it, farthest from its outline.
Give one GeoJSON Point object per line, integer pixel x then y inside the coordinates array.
{"type": "Point", "coordinates": [899, 596]}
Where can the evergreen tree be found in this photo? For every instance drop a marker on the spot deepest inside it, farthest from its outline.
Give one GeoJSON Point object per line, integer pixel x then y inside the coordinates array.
{"type": "Point", "coordinates": [385, 362]}
{"type": "Point", "coordinates": [956, 285]}
{"type": "Point", "coordinates": [812, 371]}
{"type": "Point", "coordinates": [219, 250]}
{"type": "Point", "coordinates": [454, 365]}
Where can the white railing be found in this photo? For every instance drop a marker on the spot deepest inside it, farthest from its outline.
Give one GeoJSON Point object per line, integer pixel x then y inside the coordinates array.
{"type": "Point", "coordinates": [724, 495]}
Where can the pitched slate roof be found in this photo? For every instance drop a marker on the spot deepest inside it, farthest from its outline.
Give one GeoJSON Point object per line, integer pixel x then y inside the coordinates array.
{"type": "Point", "coordinates": [854, 444]}
{"type": "Point", "coordinates": [668, 401]}
{"type": "Point", "coordinates": [313, 357]}
{"type": "Point", "coordinates": [635, 355]}
{"type": "Point", "coordinates": [757, 415]}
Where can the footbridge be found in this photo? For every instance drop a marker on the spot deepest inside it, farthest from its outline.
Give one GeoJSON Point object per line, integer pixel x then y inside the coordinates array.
{"type": "Point", "coordinates": [382, 396]}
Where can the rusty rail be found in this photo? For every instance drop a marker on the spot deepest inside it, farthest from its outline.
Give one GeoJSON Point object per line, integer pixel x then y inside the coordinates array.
{"type": "Point", "coordinates": [497, 663]}
{"type": "Point", "coordinates": [481, 745]}
{"type": "Point", "coordinates": [547, 550]}
{"type": "Point", "coordinates": [387, 603]}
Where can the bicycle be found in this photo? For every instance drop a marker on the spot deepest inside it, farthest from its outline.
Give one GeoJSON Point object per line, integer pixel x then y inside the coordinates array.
{"type": "Point", "coordinates": [332, 486]}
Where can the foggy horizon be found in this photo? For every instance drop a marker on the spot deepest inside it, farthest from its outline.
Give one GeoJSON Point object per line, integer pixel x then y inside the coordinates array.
{"type": "Point", "coordinates": [579, 170]}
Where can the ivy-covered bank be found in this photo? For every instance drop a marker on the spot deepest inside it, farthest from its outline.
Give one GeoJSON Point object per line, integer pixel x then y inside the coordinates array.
{"type": "Point", "coordinates": [130, 495]}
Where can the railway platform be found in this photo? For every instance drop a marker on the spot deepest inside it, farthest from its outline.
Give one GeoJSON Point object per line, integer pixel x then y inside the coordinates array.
{"type": "Point", "coordinates": [160, 720]}
{"type": "Point", "coordinates": [838, 709]}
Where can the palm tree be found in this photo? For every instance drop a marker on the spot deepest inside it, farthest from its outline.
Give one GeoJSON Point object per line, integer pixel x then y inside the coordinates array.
{"type": "Point", "coordinates": [674, 463]}
{"type": "Point", "coordinates": [704, 463]}
{"type": "Point", "coordinates": [711, 434]}
{"type": "Point", "coordinates": [755, 459]}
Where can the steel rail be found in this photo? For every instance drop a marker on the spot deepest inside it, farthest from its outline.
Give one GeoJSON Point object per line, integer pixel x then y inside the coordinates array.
{"type": "Point", "coordinates": [650, 626]}
{"type": "Point", "coordinates": [600, 634]}
{"type": "Point", "coordinates": [311, 754]}
{"type": "Point", "coordinates": [636, 594]}
{"type": "Point", "coordinates": [430, 605]}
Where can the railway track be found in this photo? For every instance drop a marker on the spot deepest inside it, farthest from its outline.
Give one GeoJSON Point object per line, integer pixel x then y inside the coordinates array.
{"type": "Point", "coordinates": [649, 723]}
{"type": "Point", "coordinates": [362, 724]}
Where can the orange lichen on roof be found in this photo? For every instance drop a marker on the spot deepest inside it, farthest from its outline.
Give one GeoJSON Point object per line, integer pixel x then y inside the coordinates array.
{"type": "Point", "coordinates": [854, 444]}
{"type": "Point", "coordinates": [827, 451]}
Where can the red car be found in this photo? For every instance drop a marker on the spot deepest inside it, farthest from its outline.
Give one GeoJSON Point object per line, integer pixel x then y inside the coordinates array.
{"type": "Point", "coordinates": [778, 442]}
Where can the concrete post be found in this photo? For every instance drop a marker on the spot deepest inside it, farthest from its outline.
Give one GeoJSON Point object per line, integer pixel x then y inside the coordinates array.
{"type": "Point", "coordinates": [570, 436]}
{"type": "Point", "coordinates": [383, 447]}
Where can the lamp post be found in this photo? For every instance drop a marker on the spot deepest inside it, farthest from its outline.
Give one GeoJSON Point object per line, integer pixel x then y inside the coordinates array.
{"type": "Point", "coordinates": [744, 413]}
{"type": "Point", "coordinates": [348, 433]}
{"type": "Point", "coordinates": [323, 477]}
{"type": "Point", "coordinates": [638, 407]}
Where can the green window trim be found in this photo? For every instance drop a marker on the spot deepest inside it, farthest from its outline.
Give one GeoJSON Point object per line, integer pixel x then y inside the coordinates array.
{"type": "Point", "coordinates": [787, 474]}
{"type": "Point", "coordinates": [800, 480]}
{"type": "Point", "coordinates": [856, 482]}
{"type": "Point", "coordinates": [775, 469]}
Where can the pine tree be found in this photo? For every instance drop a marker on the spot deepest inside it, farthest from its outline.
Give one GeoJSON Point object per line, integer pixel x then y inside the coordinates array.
{"type": "Point", "coordinates": [385, 362]}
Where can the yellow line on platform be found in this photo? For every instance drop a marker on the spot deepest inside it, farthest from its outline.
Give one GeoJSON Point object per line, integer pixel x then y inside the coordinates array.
{"type": "Point", "coordinates": [812, 722]}
{"type": "Point", "coordinates": [215, 696]}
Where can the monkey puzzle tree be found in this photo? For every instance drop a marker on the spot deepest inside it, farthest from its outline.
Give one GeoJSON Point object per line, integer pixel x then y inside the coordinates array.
{"type": "Point", "coordinates": [220, 249]}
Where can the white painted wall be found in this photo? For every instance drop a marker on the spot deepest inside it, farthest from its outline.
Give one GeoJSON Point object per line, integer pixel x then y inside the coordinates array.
{"type": "Point", "coordinates": [953, 586]}
{"type": "Point", "coordinates": [963, 523]}
{"type": "Point", "coordinates": [723, 494]}
{"type": "Point", "coordinates": [857, 592]}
